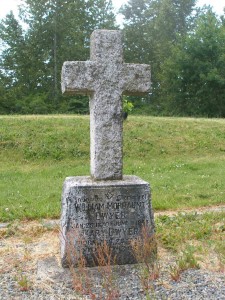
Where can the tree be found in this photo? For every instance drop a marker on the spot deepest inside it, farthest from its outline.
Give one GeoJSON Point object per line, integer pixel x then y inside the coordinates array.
{"type": "Point", "coordinates": [193, 78]}
{"type": "Point", "coordinates": [151, 28]}
{"type": "Point", "coordinates": [57, 31]}
{"type": "Point", "coordinates": [14, 62]}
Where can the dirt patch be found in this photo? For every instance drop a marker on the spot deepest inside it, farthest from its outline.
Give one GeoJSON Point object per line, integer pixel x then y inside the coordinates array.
{"type": "Point", "coordinates": [25, 245]}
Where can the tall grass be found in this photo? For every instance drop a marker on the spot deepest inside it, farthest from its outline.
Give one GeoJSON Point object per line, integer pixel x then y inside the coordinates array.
{"type": "Point", "coordinates": [183, 159]}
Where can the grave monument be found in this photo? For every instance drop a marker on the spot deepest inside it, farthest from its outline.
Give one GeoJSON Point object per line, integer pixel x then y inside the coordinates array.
{"type": "Point", "coordinates": [105, 206]}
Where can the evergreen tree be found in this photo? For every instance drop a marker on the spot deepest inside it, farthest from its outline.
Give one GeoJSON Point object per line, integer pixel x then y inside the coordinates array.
{"type": "Point", "coordinates": [56, 31]}
{"type": "Point", "coordinates": [193, 81]}
{"type": "Point", "coordinates": [14, 63]}
{"type": "Point", "coordinates": [151, 27]}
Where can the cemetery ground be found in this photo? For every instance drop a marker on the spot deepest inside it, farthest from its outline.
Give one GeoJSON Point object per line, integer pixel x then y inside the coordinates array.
{"type": "Point", "coordinates": [182, 158]}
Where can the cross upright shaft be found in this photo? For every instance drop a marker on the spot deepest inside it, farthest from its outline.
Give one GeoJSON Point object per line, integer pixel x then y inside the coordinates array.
{"type": "Point", "coordinates": [105, 78]}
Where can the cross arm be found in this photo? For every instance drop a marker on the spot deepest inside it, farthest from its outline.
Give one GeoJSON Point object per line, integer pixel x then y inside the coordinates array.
{"type": "Point", "coordinates": [136, 79]}
{"type": "Point", "coordinates": [78, 77]}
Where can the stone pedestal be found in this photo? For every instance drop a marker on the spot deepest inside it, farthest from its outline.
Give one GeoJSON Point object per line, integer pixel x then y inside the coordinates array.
{"type": "Point", "coordinates": [98, 211]}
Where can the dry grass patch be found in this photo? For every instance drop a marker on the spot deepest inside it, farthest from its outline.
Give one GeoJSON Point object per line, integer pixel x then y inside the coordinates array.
{"type": "Point", "coordinates": [23, 244]}
{"type": "Point", "coordinates": [187, 240]}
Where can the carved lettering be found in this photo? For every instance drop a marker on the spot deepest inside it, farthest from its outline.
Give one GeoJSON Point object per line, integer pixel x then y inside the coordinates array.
{"type": "Point", "coordinates": [123, 231]}
{"type": "Point", "coordinates": [110, 215]}
{"type": "Point", "coordinates": [126, 202]}
{"type": "Point", "coordinates": [89, 206]}
{"type": "Point", "coordinates": [114, 216]}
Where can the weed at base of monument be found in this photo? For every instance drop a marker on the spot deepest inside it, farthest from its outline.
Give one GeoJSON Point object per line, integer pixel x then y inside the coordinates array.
{"type": "Point", "coordinates": [184, 262]}
{"type": "Point", "coordinates": [145, 252]}
{"type": "Point", "coordinates": [104, 260]}
{"type": "Point", "coordinates": [175, 273]}
{"type": "Point", "coordinates": [23, 282]}
{"type": "Point", "coordinates": [82, 280]}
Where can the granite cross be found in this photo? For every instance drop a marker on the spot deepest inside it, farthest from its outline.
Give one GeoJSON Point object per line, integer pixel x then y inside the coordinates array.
{"type": "Point", "coordinates": [105, 78]}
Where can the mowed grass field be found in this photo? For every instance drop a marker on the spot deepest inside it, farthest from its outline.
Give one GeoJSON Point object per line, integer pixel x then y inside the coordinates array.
{"type": "Point", "coordinates": [183, 159]}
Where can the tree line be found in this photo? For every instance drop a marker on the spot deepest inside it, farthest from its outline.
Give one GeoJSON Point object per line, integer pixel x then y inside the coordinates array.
{"type": "Point", "coordinates": [184, 45]}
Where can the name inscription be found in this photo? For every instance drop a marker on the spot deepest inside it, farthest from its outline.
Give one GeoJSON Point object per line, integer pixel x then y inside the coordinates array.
{"type": "Point", "coordinates": [109, 215]}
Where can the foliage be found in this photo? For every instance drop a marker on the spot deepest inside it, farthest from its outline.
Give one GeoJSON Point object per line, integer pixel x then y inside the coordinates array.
{"type": "Point", "coordinates": [185, 227]}
{"type": "Point", "coordinates": [185, 261]}
{"type": "Point", "coordinates": [144, 249]}
{"type": "Point", "coordinates": [32, 59]}
{"type": "Point", "coordinates": [191, 236]}
{"type": "Point", "coordinates": [150, 30]}
{"type": "Point", "coordinates": [127, 105]}
{"type": "Point", "coordinates": [23, 282]}
{"type": "Point", "coordinates": [82, 281]}
{"type": "Point", "coordinates": [193, 79]}
{"type": "Point", "coordinates": [79, 104]}
{"type": "Point", "coordinates": [183, 44]}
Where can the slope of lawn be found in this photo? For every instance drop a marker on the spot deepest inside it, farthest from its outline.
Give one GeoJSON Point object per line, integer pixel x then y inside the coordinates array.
{"type": "Point", "coordinates": [183, 159]}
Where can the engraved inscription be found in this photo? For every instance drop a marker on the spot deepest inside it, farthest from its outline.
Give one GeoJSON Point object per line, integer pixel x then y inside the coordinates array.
{"type": "Point", "coordinates": [109, 215]}
{"type": "Point", "coordinates": [114, 213]}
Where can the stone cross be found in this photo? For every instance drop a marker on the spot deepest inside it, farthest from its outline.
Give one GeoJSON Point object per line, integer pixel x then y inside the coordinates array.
{"type": "Point", "coordinates": [106, 209]}
{"type": "Point", "coordinates": [105, 78]}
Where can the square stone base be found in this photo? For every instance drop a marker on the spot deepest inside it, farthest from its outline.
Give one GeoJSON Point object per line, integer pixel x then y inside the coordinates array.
{"type": "Point", "coordinates": [94, 212]}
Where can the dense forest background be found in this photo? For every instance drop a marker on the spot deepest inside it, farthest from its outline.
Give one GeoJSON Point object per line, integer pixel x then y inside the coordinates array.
{"type": "Point", "coordinates": [185, 46]}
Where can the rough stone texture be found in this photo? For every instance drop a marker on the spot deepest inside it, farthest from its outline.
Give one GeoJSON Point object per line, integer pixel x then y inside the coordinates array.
{"type": "Point", "coordinates": [111, 211]}
{"type": "Point", "coordinates": [114, 208]}
{"type": "Point", "coordinates": [105, 78]}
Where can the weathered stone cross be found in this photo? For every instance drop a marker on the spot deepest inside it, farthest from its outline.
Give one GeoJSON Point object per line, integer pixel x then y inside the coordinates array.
{"type": "Point", "coordinates": [105, 78]}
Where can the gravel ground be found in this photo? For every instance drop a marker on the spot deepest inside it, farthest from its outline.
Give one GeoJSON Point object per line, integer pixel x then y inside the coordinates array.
{"type": "Point", "coordinates": [193, 284]}
{"type": "Point", "coordinates": [38, 260]}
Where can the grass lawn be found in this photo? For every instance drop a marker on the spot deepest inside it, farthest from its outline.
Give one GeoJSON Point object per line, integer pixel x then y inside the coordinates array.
{"type": "Point", "coordinates": [181, 158]}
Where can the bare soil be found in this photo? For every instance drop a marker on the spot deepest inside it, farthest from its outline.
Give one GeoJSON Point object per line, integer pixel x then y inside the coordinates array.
{"type": "Point", "coordinates": [25, 244]}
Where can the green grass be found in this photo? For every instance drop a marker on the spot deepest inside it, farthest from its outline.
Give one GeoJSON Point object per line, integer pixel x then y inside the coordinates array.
{"type": "Point", "coordinates": [193, 237]}
{"type": "Point", "coordinates": [183, 159]}
{"type": "Point", "coordinates": [175, 231]}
